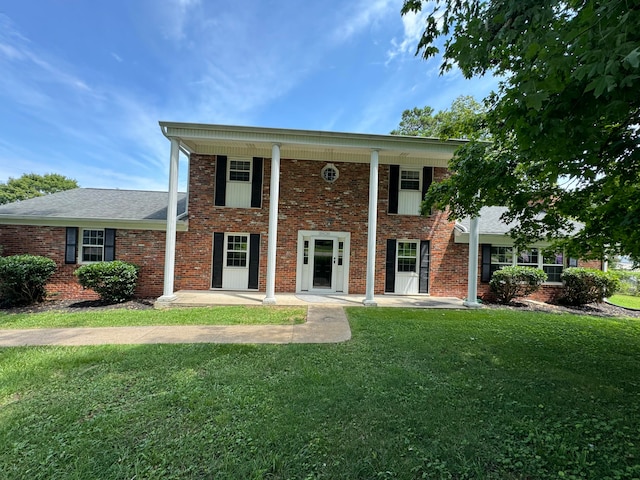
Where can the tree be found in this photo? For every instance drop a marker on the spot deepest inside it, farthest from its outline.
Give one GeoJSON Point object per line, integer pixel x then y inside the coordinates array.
{"type": "Point", "coordinates": [564, 121]}
{"type": "Point", "coordinates": [32, 185]}
{"type": "Point", "coordinates": [464, 120]}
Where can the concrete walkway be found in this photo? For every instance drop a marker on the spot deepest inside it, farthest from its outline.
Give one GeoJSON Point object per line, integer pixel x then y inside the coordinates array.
{"type": "Point", "coordinates": [326, 323]}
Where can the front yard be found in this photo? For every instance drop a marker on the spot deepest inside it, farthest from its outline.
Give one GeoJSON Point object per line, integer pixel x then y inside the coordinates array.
{"type": "Point", "coordinates": [415, 394]}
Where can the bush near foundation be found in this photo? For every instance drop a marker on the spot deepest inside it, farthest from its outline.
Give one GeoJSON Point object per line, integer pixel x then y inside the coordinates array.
{"type": "Point", "coordinates": [587, 285]}
{"type": "Point", "coordinates": [513, 282]}
{"type": "Point", "coordinates": [114, 281]}
{"type": "Point", "coordinates": [23, 279]}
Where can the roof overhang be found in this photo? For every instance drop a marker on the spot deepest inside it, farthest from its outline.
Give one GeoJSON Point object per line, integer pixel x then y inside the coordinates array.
{"type": "Point", "coordinates": [309, 144]}
{"type": "Point", "coordinates": [160, 225]}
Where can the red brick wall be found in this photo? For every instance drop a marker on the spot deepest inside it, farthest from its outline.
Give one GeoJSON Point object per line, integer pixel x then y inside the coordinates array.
{"type": "Point", "coordinates": [143, 248]}
{"type": "Point", "coordinates": [309, 203]}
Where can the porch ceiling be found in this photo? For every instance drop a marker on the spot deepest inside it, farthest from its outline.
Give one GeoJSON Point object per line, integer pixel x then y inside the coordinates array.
{"type": "Point", "coordinates": [310, 145]}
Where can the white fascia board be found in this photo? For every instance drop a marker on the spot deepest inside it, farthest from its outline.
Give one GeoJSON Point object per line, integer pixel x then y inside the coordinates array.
{"type": "Point", "coordinates": [159, 225]}
{"type": "Point", "coordinates": [493, 239]}
{"type": "Point", "coordinates": [355, 147]}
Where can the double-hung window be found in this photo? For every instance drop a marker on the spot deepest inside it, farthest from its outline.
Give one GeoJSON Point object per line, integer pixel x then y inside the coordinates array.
{"type": "Point", "coordinates": [240, 171]}
{"type": "Point", "coordinates": [407, 256]}
{"type": "Point", "coordinates": [92, 246]}
{"type": "Point", "coordinates": [552, 265]}
{"type": "Point", "coordinates": [550, 261]}
{"type": "Point", "coordinates": [237, 248]}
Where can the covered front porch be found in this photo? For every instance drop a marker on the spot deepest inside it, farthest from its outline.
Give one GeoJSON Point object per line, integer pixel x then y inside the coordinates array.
{"type": "Point", "coordinates": [198, 298]}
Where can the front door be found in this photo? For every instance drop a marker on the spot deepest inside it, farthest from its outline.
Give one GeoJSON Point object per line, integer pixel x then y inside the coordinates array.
{"type": "Point", "coordinates": [323, 262]}
{"type": "Point", "coordinates": [324, 257]}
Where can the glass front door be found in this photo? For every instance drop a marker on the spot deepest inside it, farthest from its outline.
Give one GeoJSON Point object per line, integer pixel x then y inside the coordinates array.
{"type": "Point", "coordinates": [323, 258]}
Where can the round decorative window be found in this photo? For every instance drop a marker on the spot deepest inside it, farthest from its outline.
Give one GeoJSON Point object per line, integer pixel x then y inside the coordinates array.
{"type": "Point", "coordinates": [329, 173]}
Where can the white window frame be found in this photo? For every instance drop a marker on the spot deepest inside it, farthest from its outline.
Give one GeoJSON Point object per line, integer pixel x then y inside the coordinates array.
{"type": "Point", "coordinates": [419, 179]}
{"type": "Point", "coordinates": [244, 160]}
{"type": "Point", "coordinates": [515, 256]}
{"type": "Point", "coordinates": [225, 263]}
{"type": "Point", "coordinates": [83, 245]}
{"type": "Point", "coordinates": [414, 257]}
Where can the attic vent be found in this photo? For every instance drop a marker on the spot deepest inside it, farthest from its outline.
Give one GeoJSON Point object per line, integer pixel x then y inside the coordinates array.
{"type": "Point", "coordinates": [329, 173]}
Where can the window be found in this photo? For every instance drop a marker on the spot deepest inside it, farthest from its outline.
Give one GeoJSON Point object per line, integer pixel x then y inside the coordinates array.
{"type": "Point", "coordinates": [501, 257]}
{"type": "Point", "coordinates": [329, 173]}
{"type": "Point", "coordinates": [239, 171]}
{"type": "Point", "coordinates": [550, 262]}
{"type": "Point", "coordinates": [552, 265]}
{"type": "Point", "coordinates": [407, 256]}
{"type": "Point", "coordinates": [410, 180]}
{"type": "Point", "coordinates": [237, 250]}
{"type": "Point", "coordinates": [528, 258]}
{"type": "Point", "coordinates": [306, 252]}
{"type": "Point", "coordinates": [92, 245]}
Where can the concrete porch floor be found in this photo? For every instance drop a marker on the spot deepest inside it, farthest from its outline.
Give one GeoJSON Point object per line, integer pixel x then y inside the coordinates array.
{"type": "Point", "coordinates": [193, 298]}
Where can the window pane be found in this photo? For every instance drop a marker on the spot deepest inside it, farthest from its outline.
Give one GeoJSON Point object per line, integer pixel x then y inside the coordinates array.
{"type": "Point", "coordinates": [406, 264]}
{"type": "Point", "coordinates": [239, 171]}
{"type": "Point", "coordinates": [91, 254]}
{"type": "Point", "coordinates": [237, 250]}
{"type": "Point", "coordinates": [528, 257]}
{"type": "Point", "coordinates": [553, 272]}
{"type": "Point", "coordinates": [553, 258]}
{"type": "Point", "coordinates": [409, 180]}
{"type": "Point", "coordinates": [502, 255]}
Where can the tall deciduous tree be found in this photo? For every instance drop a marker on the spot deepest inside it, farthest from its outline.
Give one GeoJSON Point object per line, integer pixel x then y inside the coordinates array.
{"type": "Point", "coordinates": [464, 119]}
{"type": "Point", "coordinates": [32, 185]}
{"type": "Point", "coordinates": [564, 122]}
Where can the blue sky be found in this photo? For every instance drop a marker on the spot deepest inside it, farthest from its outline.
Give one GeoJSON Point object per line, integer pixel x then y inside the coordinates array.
{"type": "Point", "coordinates": [84, 84]}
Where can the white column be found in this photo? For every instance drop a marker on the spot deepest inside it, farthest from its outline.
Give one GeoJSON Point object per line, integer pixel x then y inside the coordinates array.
{"type": "Point", "coordinates": [371, 232]}
{"type": "Point", "coordinates": [274, 193]}
{"type": "Point", "coordinates": [472, 281]}
{"type": "Point", "coordinates": [172, 214]}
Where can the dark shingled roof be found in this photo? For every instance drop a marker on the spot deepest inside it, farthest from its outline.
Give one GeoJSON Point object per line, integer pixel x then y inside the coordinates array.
{"type": "Point", "coordinates": [96, 204]}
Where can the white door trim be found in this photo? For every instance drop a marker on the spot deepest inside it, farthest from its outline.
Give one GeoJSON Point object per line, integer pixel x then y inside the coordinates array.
{"type": "Point", "coordinates": [312, 235]}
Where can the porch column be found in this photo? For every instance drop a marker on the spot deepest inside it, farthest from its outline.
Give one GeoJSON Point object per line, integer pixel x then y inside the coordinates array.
{"type": "Point", "coordinates": [274, 194]}
{"type": "Point", "coordinates": [472, 282]}
{"type": "Point", "coordinates": [172, 214]}
{"type": "Point", "coordinates": [372, 230]}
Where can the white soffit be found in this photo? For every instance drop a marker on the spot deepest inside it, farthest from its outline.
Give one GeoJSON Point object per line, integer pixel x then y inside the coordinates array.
{"type": "Point", "coordinates": [310, 145]}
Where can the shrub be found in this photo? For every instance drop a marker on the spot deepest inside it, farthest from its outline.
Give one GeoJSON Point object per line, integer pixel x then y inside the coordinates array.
{"type": "Point", "coordinates": [629, 283]}
{"type": "Point", "coordinates": [23, 279]}
{"type": "Point", "coordinates": [587, 285]}
{"type": "Point", "coordinates": [113, 281]}
{"type": "Point", "coordinates": [512, 282]}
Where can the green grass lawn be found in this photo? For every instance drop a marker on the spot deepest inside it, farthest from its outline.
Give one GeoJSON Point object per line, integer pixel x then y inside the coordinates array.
{"type": "Point", "coordinates": [239, 315]}
{"type": "Point", "coordinates": [627, 301]}
{"type": "Point", "coordinates": [490, 394]}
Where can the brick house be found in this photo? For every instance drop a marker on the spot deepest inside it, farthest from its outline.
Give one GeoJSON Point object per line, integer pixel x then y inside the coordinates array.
{"type": "Point", "coordinates": [278, 210]}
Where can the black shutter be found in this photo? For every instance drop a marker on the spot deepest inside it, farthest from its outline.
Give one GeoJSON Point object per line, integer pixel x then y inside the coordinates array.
{"type": "Point", "coordinates": [394, 180]}
{"type": "Point", "coordinates": [486, 263]}
{"type": "Point", "coordinates": [390, 267]}
{"type": "Point", "coordinates": [254, 260]}
{"type": "Point", "coordinates": [427, 179]}
{"type": "Point", "coordinates": [221, 181]}
{"type": "Point", "coordinates": [256, 183]}
{"type": "Point", "coordinates": [109, 244]}
{"type": "Point", "coordinates": [424, 267]}
{"type": "Point", "coordinates": [71, 246]}
{"type": "Point", "coordinates": [218, 257]}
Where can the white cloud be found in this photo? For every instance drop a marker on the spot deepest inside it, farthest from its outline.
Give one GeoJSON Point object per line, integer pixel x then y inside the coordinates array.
{"type": "Point", "coordinates": [413, 26]}
{"type": "Point", "coordinates": [362, 15]}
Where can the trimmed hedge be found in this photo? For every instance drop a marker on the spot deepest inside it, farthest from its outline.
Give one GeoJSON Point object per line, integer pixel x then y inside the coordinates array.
{"type": "Point", "coordinates": [23, 279]}
{"type": "Point", "coordinates": [587, 285]}
{"type": "Point", "coordinates": [513, 281]}
{"type": "Point", "coordinates": [114, 281]}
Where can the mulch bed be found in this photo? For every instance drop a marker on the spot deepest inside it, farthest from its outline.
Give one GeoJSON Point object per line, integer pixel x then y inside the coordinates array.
{"type": "Point", "coordinates": [596, 309]}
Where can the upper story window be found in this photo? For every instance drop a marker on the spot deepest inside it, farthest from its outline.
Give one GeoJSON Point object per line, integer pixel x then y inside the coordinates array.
{"type": "Point", "coordinates": [238, 182]}
{"type": "Point", "coordinates": [239, 171]}
{"type": "Point", "coordinates": [92, 249]}
{"type": "Point", "coordinates": [410, 180]}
